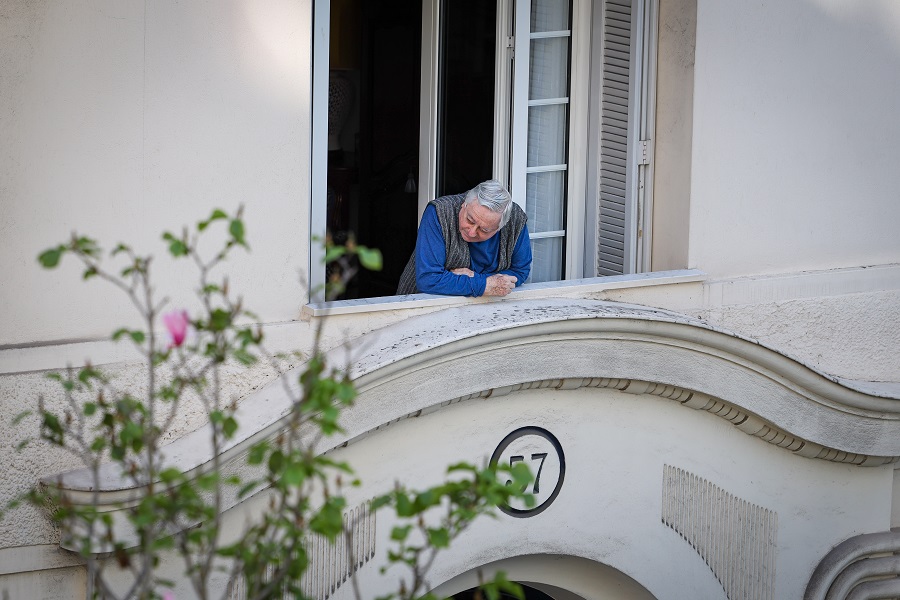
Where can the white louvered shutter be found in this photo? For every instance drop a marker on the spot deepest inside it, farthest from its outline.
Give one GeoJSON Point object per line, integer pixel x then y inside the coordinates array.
{"type": "Point", "coordinates": [614, 133]}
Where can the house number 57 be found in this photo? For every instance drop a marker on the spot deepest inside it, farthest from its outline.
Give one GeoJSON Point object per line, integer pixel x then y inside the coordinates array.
{"type": "Point", "coordinates": [541, 456]}
{"type": "Point", "coordinates": [542, 452]}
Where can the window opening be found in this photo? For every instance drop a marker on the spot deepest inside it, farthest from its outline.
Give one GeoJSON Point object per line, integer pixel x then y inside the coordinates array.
{"type": "Point", "coordinates": [373, 133]}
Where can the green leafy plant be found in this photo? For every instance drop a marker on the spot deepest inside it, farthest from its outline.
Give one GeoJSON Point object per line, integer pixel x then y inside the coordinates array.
{"type": "Point", "coordinates": [180, 513]}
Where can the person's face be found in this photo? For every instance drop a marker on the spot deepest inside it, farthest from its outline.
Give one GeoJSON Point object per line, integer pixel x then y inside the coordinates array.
{"type": "Point", "coordinates": [477, 223]}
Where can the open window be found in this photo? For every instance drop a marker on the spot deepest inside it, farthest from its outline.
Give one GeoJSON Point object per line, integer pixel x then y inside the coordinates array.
{"type": "Point", "coordinates": [413, 99]}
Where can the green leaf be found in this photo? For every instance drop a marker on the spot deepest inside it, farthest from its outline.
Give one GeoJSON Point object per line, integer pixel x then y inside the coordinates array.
{"type": "Point", "coordinates": [329, 521]}
{"type": "Point", "coordinates": [207, 481]}
{"type": "Point", "coordinates": [247, 488]}
{"type": "Point", "coordinates": [52, 423]}
{"type": "Point", "coordinates": [293, 475]}
{"type": "Point", "coordinates": [404, 506]}
{"type": "Point", "coordinates": [380, 501]}
{"type": "Point", "coordinates": [216, 215]}
{"type": "Point", "coordinates": [500, 583]}
{"type": "Point", "coordinates": [89, 272]}
{"type": "Point", "coordinates": [219, 320]}
{"type": "Point", "coordinates": [87, 246]}
{"type": "Point", "coordinates": [399, 534]}
{"type": "Point", "coordinates": [521, 476]}
{"type": "Point", "coordinates": [87, 373]}
{"type": "Point", "coordinates": [169, 475]}
{"type": "Point", "coordinates": [276, 461]}
{"type": "Point", "coordinates": [244, 357]}
{"type": "Point", "coordinates": [257, 453]}
{"type": "Point", "coordinates": [177, 247]}
{"type": "Point", "coordinates": [137, 337]}
{"type": "Point", "coordinates": [50, 258]}
{"type": "Point", "coordinates": [427, 498]}
{"type": "Point", "coordinates": [236, 229]}
{"type": "Point", "coordinates": [346, 392]}
{"type": "Point", "coordinates": [370, 258]}
{"type": "Point", "coordinates": [439, 538]}
{"type": "Point", "coordinates": [229, 427]}
{"type": "Point", "coordinates": [19, 417]}
{"type": "Point", "coordinates": [334, 252]}
{"type": "Point", "coordinates": [89, 408]}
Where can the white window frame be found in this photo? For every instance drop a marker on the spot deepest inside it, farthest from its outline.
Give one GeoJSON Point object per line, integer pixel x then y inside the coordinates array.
{"type": "Point", "coordinates": [516, 79]}
{"type": "Point", "coordinates": [318, 177]}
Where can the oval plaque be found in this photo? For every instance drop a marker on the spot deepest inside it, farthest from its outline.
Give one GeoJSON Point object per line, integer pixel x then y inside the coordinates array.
{"type": "Point", "coordinates": [542, 452]}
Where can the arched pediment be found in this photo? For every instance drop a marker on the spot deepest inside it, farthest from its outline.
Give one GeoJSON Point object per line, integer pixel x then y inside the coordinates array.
{"type": "Point", "coordinates": [493, 349]}
{"type": "Point", "coordinates": [497, 348]}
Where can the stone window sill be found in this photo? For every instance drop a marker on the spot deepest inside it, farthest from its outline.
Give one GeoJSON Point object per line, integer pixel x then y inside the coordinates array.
{"type": "Point", "coordinates": [551, 289]}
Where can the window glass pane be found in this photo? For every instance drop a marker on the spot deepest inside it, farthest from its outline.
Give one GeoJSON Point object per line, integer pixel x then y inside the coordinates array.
{"type": "Point", "coordinates": [546, 201]}
{"type": "Point", "coordinates": [547, 259]}
{"type": "Point", "coordinates": [548, 71]}
{"type": "Point", "coordinates": [549, 15]}
{"type": "Point", "coordinates": [546, 135]}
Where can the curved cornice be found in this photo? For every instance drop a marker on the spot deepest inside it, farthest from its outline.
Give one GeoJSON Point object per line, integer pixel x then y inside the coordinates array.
{"type": "Point", "coordinates": [496, 348]}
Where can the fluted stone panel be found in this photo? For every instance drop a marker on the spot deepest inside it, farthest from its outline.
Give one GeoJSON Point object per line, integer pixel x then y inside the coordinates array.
{"type": "Point", "coordinates": [332, 564]}
{"type": "Point", "coordinates": [737, 539]}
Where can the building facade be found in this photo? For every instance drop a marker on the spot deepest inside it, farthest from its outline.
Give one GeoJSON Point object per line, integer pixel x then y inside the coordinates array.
{"type": "Point", "coordinates": [705, 359]}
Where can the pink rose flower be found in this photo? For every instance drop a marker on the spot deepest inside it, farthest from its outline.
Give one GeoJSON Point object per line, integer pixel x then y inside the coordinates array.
{"type": "Point", "coordinates": [176, 323]}
{"type": "Point", "coordinates": [168, 595]}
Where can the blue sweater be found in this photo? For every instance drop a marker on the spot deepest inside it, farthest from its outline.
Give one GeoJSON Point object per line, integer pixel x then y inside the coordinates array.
{"type": "Point", "coordinates": [433, 278]}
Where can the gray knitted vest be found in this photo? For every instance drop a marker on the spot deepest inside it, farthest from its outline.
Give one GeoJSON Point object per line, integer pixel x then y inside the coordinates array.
{"type": "Point", "coordinates": [457, 248]}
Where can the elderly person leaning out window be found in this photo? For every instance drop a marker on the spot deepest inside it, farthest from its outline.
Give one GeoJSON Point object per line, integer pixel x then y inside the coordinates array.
{"type": "Point", "coordinates": [459, 252]}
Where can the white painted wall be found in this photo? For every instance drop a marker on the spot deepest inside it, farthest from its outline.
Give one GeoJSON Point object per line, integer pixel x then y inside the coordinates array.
{"type": "Point", "coordinates": [609, 508]}
{"type": "Point", "coordinates": [124, 118]}
{"type": "Point", "coordinates": [795, 136]}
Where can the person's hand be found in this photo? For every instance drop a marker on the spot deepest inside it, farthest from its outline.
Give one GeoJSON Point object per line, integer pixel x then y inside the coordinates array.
{"type": "Point", "coordinates": [464, 271]}
{"type": "Point", "coordinates": [499, 285]}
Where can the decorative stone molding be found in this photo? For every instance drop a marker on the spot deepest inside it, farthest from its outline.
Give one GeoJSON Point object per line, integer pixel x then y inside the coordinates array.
{"type": "Point", "coordinates": [737, 539]}
{"type": "Point", "coordinates": [859, 567]}
{"type": "Point", "coordinates": [744, 421]}
{"type": "Point", "coordinates": [413, 368]}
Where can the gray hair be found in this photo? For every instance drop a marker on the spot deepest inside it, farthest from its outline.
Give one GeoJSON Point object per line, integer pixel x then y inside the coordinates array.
{"type": "Point", "coordinates": [492, 195]}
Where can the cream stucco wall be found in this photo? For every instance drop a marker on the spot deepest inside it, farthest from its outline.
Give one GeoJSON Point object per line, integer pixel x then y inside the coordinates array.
{"type": "Point", "coordinates": [124, 118]}
{"type": "Point", "coordinates": [794, 136]}
{"type": "Point", "coordinates": [672, 138]}
{"type": "Point", "coordinates": [608, 510]}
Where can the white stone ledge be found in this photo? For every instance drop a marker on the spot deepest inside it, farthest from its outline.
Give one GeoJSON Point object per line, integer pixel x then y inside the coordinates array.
{"type": "Point", "coordinates": [25, 559]}
{"type": "Point", "coordinates": [762, 289]}
{"type": "Point", "coordinates": [30, 358]}
{"type": "Point", "coordinates": [549, 289]}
